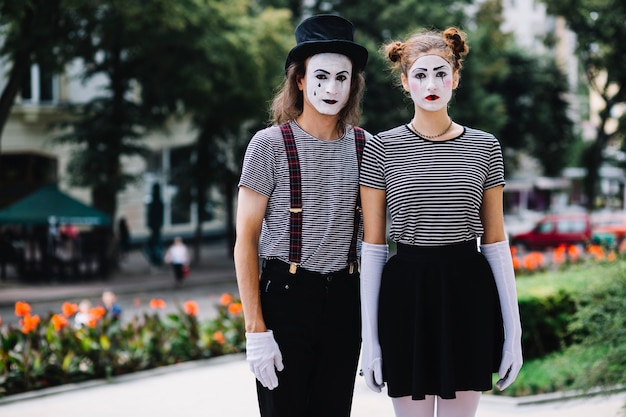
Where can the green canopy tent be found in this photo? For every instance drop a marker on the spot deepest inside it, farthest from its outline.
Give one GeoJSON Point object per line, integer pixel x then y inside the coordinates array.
{"type": "Point", "coordinates": [47, 206]}
{"type": "Point", "coordinates": [40, 256]}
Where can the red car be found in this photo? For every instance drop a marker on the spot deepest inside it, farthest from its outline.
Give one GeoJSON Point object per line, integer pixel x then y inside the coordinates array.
{"type": "Point", "coordinates": [554, 230]}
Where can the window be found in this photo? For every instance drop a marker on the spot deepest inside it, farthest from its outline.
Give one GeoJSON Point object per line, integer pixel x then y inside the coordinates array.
{"type": "Point", "coordinates": [546, 227]}
{"type": "Point", "coordinates": [39, 86]}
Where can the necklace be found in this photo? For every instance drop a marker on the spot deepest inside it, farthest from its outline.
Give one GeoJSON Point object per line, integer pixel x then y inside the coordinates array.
{"type": "Point", "coordinates": [431, 136]}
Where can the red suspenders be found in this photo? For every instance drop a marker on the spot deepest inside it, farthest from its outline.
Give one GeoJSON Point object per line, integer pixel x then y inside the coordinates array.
{"type": "Point", "coordinates": [295, 209]}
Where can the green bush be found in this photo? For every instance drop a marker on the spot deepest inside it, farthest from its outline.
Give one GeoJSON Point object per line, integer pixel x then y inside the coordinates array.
{"type": "Point", "coordinates": [548, 303]}
{"type": "Point", "coordinates": [593, 336]}
{"type": "Point", "coordinates": [600, 321]}
{"type": "Point", "coordinates": [545, 323]}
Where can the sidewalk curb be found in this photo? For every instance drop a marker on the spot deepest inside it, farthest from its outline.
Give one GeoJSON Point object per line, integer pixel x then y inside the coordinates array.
{"type": "Point", "coordinates": [94, 289]}
{"type": "Point", "coordinates": [551, 397]}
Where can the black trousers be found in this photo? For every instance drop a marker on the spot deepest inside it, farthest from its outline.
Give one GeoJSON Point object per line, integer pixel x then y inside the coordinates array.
{"type": "Point", "coordinates": [178, 271]}
{"type": "Point", "coordinates": [316, 322]}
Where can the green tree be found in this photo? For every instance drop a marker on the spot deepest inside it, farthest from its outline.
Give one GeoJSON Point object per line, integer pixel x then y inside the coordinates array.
{"type": "Point", "coordinates": [118, 42]}
{"type": "Point", "coordinates": [601, 47]}
{"type": "Point", "coordinates": [516, 96]}
{"type": "Point", "coordinates": [263, 39]}
{"type": "Point", "coordinates": [238, 52]}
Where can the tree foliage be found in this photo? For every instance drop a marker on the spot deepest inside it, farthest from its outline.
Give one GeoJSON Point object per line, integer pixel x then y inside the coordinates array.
{"type": "Point", "coordinates": [237, 52]}
{"type": "Point", "coordinates": [116, 43]}
{"type": "Point", "coordinates": [514, 95]}
{"type": "Point", "coordinates": [601, 47]}
{"type": "Point", "coordinates": [517, 96]}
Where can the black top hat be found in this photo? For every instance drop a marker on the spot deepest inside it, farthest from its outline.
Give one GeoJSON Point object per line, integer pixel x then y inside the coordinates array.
{"type": "Point", "coordinates": [327, 33]}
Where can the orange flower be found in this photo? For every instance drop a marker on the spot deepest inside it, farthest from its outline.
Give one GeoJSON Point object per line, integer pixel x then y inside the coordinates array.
{"type": "Point", "coordinates": [596, 251]}
{"type": "Point", "coordinates": [611, 256]}
{"type": "Point", "coordinates": [29, 323]}
{"type": "Point", "coordinates": [559, 255]}
{"type": "Point", "coordinates": [22, 309]}
{"type": "Point", "coordinates": [69, 309]}
{"type": "Point", "coordinates": [59, 321]}
{"type": "Point", "coordinates": [533, 260]}
{"type": "Point", "coordinates": [517, 263]}
{"type": "Point", "coordinates": [574, 252]}
{"type": "Point", "coordinates": [191, 308]}
{"type": "Point", "coordinates": [226, 299]}
{"type": "Point", "coordinates": [234, 308]}
{"type": "Point", "coordinates": [97, 312]}
{"type": "Point", "coordinates": [218, 336]}
{"type": "Point", "coordinates": [157, 303]}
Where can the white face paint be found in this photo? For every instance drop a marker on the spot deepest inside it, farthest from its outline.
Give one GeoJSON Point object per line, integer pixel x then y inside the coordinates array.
{"type": "Point", "coordinates": [328, 77]}
{"type": "Point", "coordinates": [430, 82]}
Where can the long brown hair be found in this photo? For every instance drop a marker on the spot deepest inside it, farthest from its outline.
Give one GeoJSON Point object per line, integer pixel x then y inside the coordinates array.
{"type": "Point", "coordinates": [288, 103]}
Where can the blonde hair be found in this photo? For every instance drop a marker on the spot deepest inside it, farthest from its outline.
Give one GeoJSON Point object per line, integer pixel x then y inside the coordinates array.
{"type": "Point", "coordinates": [288, 103]}
{"type": "Point", "coordinates": [450, 44]}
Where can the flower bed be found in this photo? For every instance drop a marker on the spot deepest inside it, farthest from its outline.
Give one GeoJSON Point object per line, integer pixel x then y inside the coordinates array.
{"type": "Point", "coordinates": [46, 352]}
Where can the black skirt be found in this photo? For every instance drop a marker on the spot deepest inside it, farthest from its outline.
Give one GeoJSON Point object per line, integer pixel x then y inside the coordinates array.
{"type": "Point", "coordinates": [440, 323]}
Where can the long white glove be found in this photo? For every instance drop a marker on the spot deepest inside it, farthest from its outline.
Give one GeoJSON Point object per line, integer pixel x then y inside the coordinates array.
{"type": "Point", "coordinates": [264, 357]}
{"type": "Point", "coordinates": [499, 257]}
{"type": "Point", "coordinates": [373, 259]}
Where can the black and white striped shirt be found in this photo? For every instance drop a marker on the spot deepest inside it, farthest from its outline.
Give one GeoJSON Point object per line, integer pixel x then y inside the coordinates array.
{"type": "Point", "coordinates": [433, 188]}
{"type": "Point", "coordinates": [330, 181]}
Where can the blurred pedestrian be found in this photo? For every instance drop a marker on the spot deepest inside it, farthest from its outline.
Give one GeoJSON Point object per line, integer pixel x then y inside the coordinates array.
{"type": "Point", "coordinates": [439, 317]}
{"type": "Point", "coordinates": [177, 256]}
{"type": "Point", "coordinates": [109, 302]}
{"type": "Point", "coordinates": [155, 212]}
{"type": "Point", "coordinates": [83, 315]}
{"type": "Point", "coordinates": [123, 235]}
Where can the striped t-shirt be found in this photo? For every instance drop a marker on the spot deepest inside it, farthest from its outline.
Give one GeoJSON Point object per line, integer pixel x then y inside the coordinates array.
{"type": "Point", "coordinates": [330, 181]}
{"type": "Point", "coordinates": [433, 188]}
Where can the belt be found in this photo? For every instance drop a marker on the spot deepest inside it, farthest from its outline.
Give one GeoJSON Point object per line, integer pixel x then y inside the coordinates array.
{"type": "Point", "coordinates": [280, 266]}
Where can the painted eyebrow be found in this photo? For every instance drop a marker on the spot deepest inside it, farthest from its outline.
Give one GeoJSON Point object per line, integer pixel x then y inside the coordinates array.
{"type": "Point", "coordinates": [326, 72]}
{"type": "Point", "coordinates": [425, 69]}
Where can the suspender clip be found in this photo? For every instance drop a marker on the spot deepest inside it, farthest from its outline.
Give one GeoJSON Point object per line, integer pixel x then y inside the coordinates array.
{"type": "Point", "coordinates": [295, 210]}
{"type": "Point", "coordinates": [293, 268]}
{"type": "Point", "coordinates": [351, 268]}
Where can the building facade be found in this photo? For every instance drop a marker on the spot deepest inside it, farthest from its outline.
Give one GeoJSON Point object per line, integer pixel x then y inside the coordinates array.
{"type": "Point", "coordinates": [32, 158]}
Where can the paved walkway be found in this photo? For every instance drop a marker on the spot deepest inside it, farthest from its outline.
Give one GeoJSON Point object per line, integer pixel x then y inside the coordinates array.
{"type": "Point", "coordinates": [224, 387]}
{"type": "Point", "coordinates": [219, 387]}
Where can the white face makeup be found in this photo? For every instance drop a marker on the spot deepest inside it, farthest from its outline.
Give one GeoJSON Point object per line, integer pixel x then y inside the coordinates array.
{"type": "Point", "coordinates": [430, 82]}
{"type": "Point", "coordinates": [328, 78]}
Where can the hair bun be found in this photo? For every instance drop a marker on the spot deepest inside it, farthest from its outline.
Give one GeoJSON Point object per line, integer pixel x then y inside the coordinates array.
{"type": "Point", "coordinates": [395, 51]}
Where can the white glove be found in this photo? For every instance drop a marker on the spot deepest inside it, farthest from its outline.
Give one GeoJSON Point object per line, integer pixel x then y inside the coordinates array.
{"type": "Point", "coordinates": [499, 257]}
{"type": "Point", "coordinates": [264, 357]}
{"type": "Point", "coordinates": [373, 259]}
